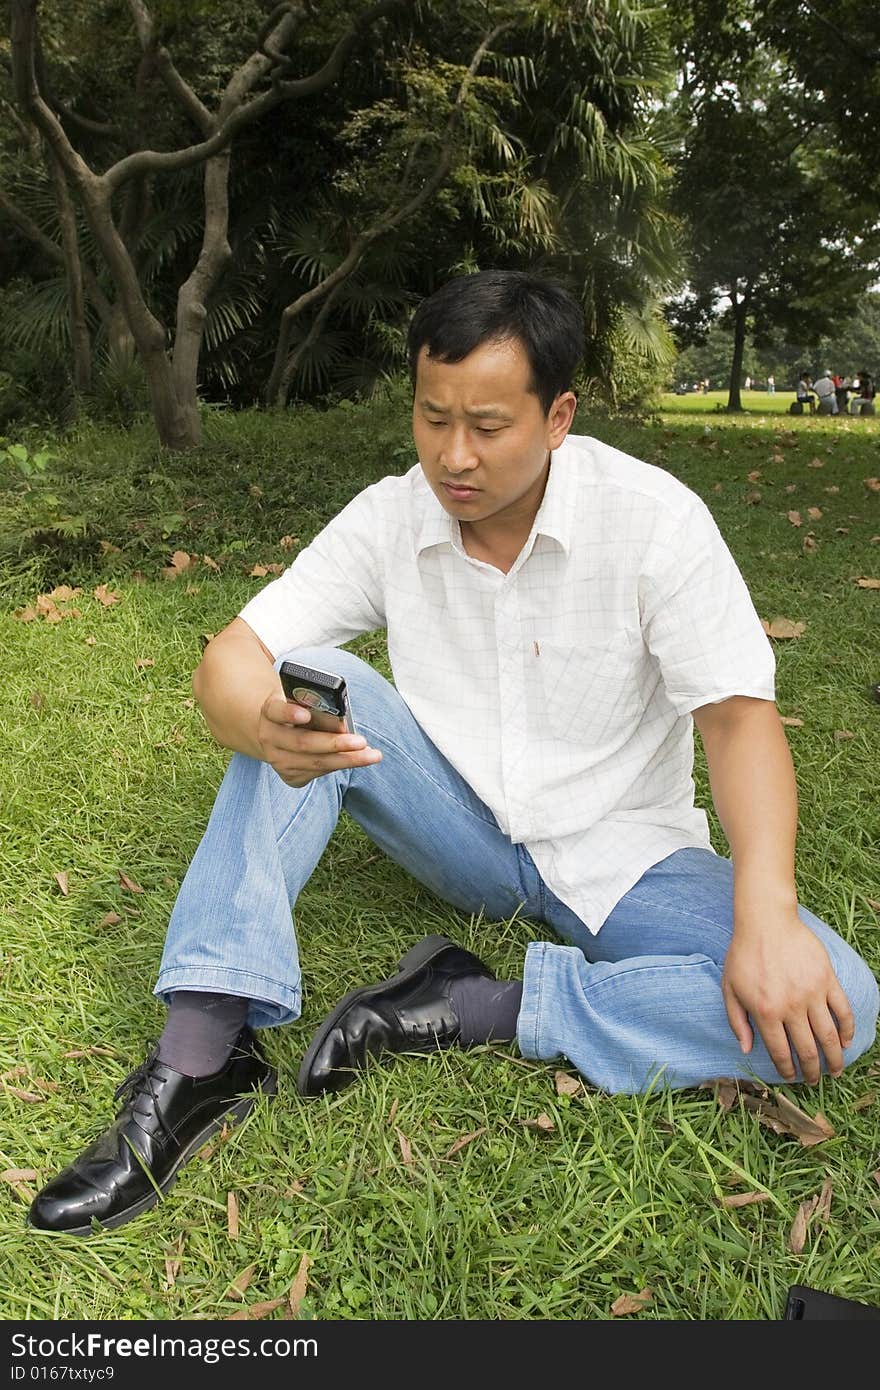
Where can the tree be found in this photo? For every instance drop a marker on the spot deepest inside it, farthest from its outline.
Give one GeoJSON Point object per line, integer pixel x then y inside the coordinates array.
{"type": "Point", "coordinates": [264, 80]}
{"type": "Point", "coordinates": [510, 132]}
{"type": "Point", "coordinates": [777, 243]}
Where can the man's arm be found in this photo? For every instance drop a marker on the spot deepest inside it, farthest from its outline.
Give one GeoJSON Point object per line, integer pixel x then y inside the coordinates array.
{"type": "Point", "coordinates": [244, 706]}
{"type": "Point", "coordinates": [776, 971]}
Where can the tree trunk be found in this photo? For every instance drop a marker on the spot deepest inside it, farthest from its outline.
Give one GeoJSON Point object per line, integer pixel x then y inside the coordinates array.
{"type": "Point", "coordinates": [76, 300]}
{"type": "Point", "coordinates": [740, 315]}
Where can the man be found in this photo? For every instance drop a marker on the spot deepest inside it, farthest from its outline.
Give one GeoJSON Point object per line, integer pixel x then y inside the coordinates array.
{"type": "Point", "coordinates": [558, 616]}
{"type": "Point", "coordinates": [826, 393]}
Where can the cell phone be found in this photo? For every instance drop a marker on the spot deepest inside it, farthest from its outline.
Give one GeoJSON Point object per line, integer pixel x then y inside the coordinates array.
{"type": "Point", "coordinates": [806, 1304]}
{"type": "Point", "coordinates": [320, 692]}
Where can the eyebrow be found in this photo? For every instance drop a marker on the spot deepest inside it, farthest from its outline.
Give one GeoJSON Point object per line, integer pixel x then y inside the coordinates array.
{"type": "Point", "coordinates": [489, 412]}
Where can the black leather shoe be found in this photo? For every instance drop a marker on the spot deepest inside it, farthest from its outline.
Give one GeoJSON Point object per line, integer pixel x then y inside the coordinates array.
{"type": "Point", "coordinates": [165, 1119]}
{"type": "Point", "coordinates": [411, 1012]}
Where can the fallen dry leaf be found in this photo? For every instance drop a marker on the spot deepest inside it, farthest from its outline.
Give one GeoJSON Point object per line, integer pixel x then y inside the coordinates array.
{"type": "Point", "coordinates": [866, 1101]}
{"type": "Point", "coordinates": [30, 1096]}
{"type": "Point", "coordinates": [777, 458]}
{"type": "Point", "coordinates": [298, 1287]}
{"type": "Point", "coordinates": [26, 615]}
{"type": "Point", "coordinates": [106, 597]}
{"type": "Point", "coordinates": [783, 628]}
{"type": "Point", "coordinates": [745, 1199]}
{"type": "Point", "coordinates": [873, 484]}
{"type": "Point", "coordinates": [255, 1310]}
{"type": "Point", "coordinates": [110, 920]}
{"type": "Point", "coordinates": [14, 1175]}
{"type": "Point", "coordinates": [823, 1204]}
{"type": "Point", "coordinates": [288, 542]}
{"type": "Point", "coordinates": [791, 487]}
{"type": "Point", "coordinates": [61, 879]}
{"type": "Point", "coordinates": [567, 1085]}
{"type": "Point", "coordinates": [393, 1111]}
{"type": "Point", "coordinates": [173, 1261]}
{"type": "Point", "coordinates": [791, 721]}
{"type": "Point", "coordinates": [810, 545]}
{"type": "Point", "coordinates": [232, 1215]}
{"type": "Point", "coordinates": [258, 572]}
{"type": "Point", "coordinates": [463, 1141]}
{"type": "Point", "coordinates": [752, 497]}
{"type": "Point", "coordinates": [872, 902]}
{"type": "Point", "coordinates": [795, 518]}
{"type": "Point", "coordinates": [239, 1284]}
{"type": "Point", "coordinates": [814, 513]}
{"type": "Point", "coordinates": [809, 1130]}
{"type": "Point", "coordinates": [542, 1123]}
{"type": "Point", "coordinates": [630, 1303]}
{"type": "Point", "coordinates": [754, 476]}
{"type": "Point", "coordinates": [143, 662]}
{"type": "Point", "coordinates": [841, 530]}
{"type": "Point", "coordinates": [108, 548]}
{"type": "Point", "coordinates": [876, 1176]}
{"type": "Point", "coordinates": [90, 641]}
{"type": "Point", "coordinates": [13, 1073]}
{"type": "Point", "coordinates": [43, 1085]}
{"type": "Point", "coordinates": [91, 1051]}
{"type": "Point", "coordinates": [275, 568]}
{"type": "Point", "coordinates": [63, 593]}
{"type": "Point", "coordinates": [797, 1236]}
{"type": "Point", "coordinates": [832, 489]}
{"type": "Point", "coordinates": [37, 699]}
{"type": "Point", "coordinates": [868, 583]}
{"type": "Point", "coordinates": [181, 561]}
{"type": "Point", "coordinates": [841, 735]}
{"type": "Point", "coordinates": [816, 463]}
{"type": "Point", "coordinates": [405, 1148]}
{"type": "Point", "coordinates": [211, 563]}
{"type": "Point", "coordinates": [129, 883]}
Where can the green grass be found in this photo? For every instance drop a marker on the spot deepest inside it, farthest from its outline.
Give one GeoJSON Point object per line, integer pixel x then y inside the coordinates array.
{"type": "Point", "coordinates": [105, 766]}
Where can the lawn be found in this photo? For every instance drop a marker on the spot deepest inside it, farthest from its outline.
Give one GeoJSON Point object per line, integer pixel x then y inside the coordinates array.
{"type": "Point", "coordinates": [107, 774]}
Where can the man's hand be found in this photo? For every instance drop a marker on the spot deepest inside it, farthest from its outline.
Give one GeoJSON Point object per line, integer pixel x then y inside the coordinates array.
{"type": "Point", "coordinates": [779, 974]}
{"type": "Point", "coordinates": [297, 753]}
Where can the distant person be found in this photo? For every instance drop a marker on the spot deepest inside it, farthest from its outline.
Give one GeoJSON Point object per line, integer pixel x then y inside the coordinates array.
{"type": "Point", "coordinates": [862, 402]}
{"type": "Point", "coordinates": [825, 393]}
{"type": "Point", "coordinates": [804, 393]}
{"type": "Point", "coordinates": [706, 387]}
{"type": "Point", "coordinates": [841, 391]}
{"type": "Point", "coordinates": [747, 385]}
{"type": "Point", "coordinates": [771, 385]}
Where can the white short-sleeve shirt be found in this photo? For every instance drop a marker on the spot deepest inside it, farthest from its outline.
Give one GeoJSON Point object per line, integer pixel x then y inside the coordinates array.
{"type": "Point", "coordinates": [561, 691]}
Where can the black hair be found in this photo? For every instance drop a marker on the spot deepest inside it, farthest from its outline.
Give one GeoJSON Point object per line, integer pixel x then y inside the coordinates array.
{"type": "Point", "coordinates": [498, 306]}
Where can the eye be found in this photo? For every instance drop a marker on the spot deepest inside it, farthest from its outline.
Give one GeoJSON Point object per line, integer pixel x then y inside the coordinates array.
{"type": "Point", "coordinates": [483, 429]}
{"type": "Point", "coordinates": [437, 424]}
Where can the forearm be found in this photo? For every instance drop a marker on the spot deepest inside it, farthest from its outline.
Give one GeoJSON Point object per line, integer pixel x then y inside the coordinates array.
{"type": "Point", "coordinates": [755, 794]}
{"type": "Point", "coordinates": [231, 684]}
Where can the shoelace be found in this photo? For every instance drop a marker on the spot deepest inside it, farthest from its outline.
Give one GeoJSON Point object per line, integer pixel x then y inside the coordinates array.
{"type": "Point", "coordinates": [140, 1082]}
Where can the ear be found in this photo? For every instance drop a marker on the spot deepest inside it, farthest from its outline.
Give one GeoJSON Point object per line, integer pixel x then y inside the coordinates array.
{"type": "Point", "coordinates": [560, 417]}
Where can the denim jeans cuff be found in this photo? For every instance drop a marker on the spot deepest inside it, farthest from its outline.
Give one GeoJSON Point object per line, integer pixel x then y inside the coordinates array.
{"type": "Point", "coordinates": [528, 1022]}
{"type": "Point", "coordinates": [272, 1002]}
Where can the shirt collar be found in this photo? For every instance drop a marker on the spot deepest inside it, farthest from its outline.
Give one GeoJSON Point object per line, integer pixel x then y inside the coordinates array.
{"type": "Point", "coordinates": [554, 519]}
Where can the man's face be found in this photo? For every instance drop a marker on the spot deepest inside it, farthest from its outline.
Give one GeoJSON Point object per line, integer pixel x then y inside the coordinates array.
{"type": "Point", "coordinates": [482, 436]}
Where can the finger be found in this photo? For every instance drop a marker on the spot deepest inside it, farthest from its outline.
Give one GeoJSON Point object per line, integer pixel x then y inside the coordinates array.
{"type": "Point", "coordinates": [806, 1049]}
{"type": "Point", "coordinates": [839, 1006]}
{"type": "Point", "coordinates": [826, 1035]}
{"type": "Point", "coordinates": [776, 1043]}
{"type": "Point", "coordinates": [303, 770]}
{"type": "Point", "coordinates": [739, 1021]}
{"type": "Point", "coordinates": [281, 711]}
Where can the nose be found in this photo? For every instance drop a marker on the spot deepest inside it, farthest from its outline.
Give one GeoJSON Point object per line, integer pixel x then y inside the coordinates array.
{"type": "Point", "coordinates": [458, 454]}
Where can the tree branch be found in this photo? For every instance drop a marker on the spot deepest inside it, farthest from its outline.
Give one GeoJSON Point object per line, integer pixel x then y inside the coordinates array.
{"type": "Point", "coordinates": [282, 370]}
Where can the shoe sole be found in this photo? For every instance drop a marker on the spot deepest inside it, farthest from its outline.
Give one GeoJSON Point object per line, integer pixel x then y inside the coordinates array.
{"type": "Point", "coordinates": [241, 1108]}
{"type": "Point", "coordinates": [415, 958]}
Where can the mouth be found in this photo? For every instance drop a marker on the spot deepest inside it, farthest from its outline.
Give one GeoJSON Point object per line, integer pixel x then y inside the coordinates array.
{"type": "Point", "coordinates": [460, 493]}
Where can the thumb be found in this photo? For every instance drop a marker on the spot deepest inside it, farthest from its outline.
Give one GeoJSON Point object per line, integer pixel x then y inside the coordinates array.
{"type": "Point", "coordinates": [283, 711]}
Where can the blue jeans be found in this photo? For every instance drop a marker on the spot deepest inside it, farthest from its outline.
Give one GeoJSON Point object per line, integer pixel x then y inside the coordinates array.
{"type": "Point", "coordinates": [639, 1001]}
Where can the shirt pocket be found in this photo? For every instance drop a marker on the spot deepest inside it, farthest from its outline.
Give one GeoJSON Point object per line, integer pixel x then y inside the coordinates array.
{"type": "Point", "coordinates": [590, 693]}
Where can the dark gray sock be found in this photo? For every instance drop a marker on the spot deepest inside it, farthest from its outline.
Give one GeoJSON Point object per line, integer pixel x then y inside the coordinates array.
{"type": "Point", "coordinates": [200, 1031]}
{"type": "Point", "coordinates": [487, 1010]}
